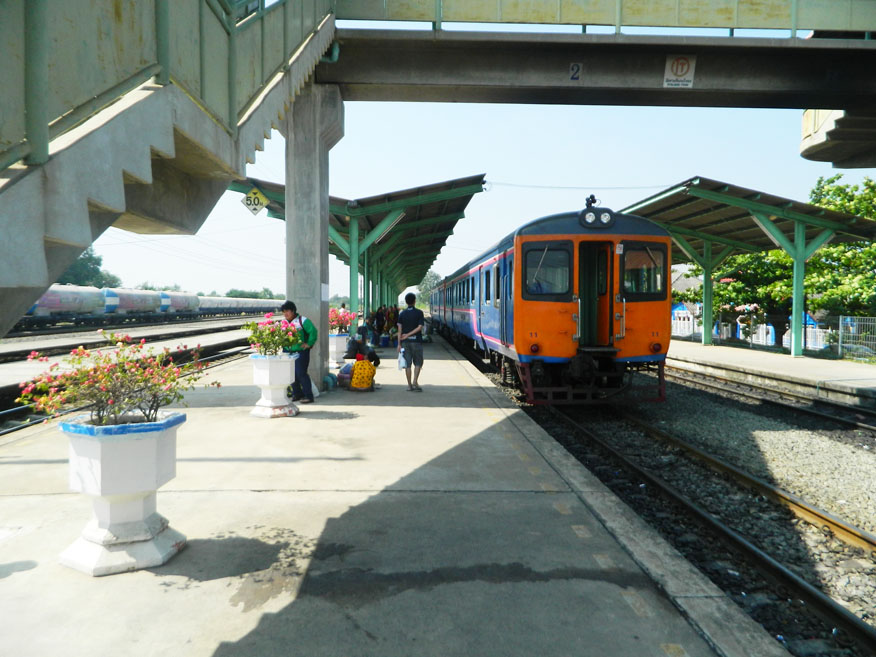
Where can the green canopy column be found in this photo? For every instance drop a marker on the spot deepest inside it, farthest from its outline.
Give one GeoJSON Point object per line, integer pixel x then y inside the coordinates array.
{"type": "Point", "coordinates": [800, 252]}
{"type": "Point", "coordinates": [367, 283]}
{"type": "Point", "coordinates": [354, 270]}
{"type": "Point", "coordinates": [709, 264]}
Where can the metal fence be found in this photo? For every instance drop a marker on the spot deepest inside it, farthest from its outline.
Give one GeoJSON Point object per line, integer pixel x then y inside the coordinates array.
{"type": "Point", "coordinates": [857, 338]}
{"type": "Point", "coordinates": [834, 336]}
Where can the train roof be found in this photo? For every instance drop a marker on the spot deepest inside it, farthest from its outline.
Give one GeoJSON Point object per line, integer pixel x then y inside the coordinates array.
{"type": "Point", "coordinates": [574, 222]}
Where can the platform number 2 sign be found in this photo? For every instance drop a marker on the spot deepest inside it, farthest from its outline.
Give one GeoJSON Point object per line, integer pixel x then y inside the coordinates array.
{"type": "Point", "coordinates": [254, 200]}
{"type": "Point", "coordinates": [575, 69]}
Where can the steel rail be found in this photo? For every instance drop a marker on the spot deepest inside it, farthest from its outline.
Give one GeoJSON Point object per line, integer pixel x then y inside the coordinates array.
{"type": "Point", "coordinates": [812, 514]}
{"type": "Point", "coordinates": [694, 378]}
{"type": "Point", "coordinates": [824, 605]}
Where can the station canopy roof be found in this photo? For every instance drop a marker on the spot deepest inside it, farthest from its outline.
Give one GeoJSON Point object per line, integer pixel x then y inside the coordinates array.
{"type": "Point", "coordinates": [739, 220]}
{"type": "Point", "coordinates": [407, 227]}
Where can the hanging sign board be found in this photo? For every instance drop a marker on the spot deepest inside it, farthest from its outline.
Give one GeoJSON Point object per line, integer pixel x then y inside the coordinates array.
{"type": "Point", "coordinates": [254, 200]}
{"type": "Point", "coordinates": [679, 72]}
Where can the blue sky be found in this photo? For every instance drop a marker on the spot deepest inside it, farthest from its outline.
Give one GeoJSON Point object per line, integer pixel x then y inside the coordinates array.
{"type": "Point", "coordinates": [538, 160]}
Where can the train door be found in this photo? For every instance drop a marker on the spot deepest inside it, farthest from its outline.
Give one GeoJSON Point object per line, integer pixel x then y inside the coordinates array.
{"type": "Point", "coordinates": [507, 302]}
{"type": "Point", "coordinates": [594, 298]}
{"type": "Point", "coordinates": [479, 309]}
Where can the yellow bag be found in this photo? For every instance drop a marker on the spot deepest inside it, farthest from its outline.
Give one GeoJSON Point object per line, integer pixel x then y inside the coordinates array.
{"type": "Point", "coordinates": [363, 376]}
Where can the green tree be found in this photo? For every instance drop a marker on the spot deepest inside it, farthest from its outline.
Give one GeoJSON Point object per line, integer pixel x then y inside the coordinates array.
{"type": "Point", "coordinates": [86, 271]}
{"type": "Point", "coordinates": [165, 288]}
{"type": "Point", "coordinates": [840, 279]}
{"type": "Point", "coordinates": [430, 281]}
{"type": "Point", "coordinates": [265, 293]}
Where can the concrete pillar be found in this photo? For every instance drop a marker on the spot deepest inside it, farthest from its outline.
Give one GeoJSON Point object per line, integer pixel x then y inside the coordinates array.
{"type": "Point", "coordinates": [313, 124]}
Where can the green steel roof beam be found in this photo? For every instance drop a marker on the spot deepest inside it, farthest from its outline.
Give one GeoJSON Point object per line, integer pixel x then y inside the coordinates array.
{"type": "Point", "coordinates": [384, 248]}
{"type": "Point", "coordinates": [782, 242]}
{"type": "Point", "coordinates": [687, 232]}
{"type": "Point", "coordinates": [631, 209]}
{"type": "Point", "coordinates": [393, 261]}
{"type": "Point", "coordinates": [413, 225]}
{"type": "Point", "coordinates": [382, 228]}
{"type": "Point", "coordinates": [401, 204]}
{"type": "Point", "coordinates": [772, 210]}
{"type": "Point", "coordinates": [339, 240]}
{"type": "Point", "coordinates": [691, 253]}
{"type": "Point", "coordinates": [397, 237]}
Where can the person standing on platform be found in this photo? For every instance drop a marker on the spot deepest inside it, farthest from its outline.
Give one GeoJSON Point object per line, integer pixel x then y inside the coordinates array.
{"type": "Point", "coordinates": [410, 338]}
{"type": "Point", "coordinates": [380, 321]}
{"type": "Point", "coordinates": [302, 390]}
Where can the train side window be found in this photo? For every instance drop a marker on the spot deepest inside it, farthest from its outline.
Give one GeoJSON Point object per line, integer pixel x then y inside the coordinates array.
{"type": "Point", "coordinates": [643, 271]}
{"type": "Point", "coordinates": [497, 279]}
{"type": "Point", "coordinates": [511, 279]}
{"type": "Point", "coordinates": [472, 290]}
{"type": "Point", "coordinates": [487, 288]}
{"type": "Point", "coordinates": [547, 271]}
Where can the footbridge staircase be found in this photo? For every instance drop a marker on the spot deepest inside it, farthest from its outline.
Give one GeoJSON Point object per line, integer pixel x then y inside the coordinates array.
{"type": "Point", "coordinates": [136, 115]}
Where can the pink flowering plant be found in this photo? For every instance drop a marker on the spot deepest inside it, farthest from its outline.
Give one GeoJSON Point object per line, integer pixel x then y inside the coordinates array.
{"type": "Point", "coordinates": [121, 384]}
{"type": "Point", "coordinates": [270, 337]}
{"type": "Point", "coordinates": [340, 320]}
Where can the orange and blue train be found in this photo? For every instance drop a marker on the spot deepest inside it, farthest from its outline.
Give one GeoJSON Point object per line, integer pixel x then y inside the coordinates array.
{"type": "Point", "coordinates": [572, 304]}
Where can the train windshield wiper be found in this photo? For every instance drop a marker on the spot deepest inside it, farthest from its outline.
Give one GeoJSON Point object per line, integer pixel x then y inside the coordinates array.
{"type": "Point", "coordinates": [538, 269]}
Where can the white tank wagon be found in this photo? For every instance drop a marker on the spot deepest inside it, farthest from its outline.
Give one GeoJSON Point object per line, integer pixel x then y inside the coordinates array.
{"type": "Point", "coordinates": [237, 305]}
{"type": "Point", "coordinates": [68, 299]}
{"type": "Point", "coordinates": [179, 302]}
{"type": "Point", "coordinates": [122, 301]}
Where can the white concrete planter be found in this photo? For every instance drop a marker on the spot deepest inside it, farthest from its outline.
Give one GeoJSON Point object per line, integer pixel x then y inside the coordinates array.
{"type": "Point", "coordinates": [273, 374]}
{"type": "Point", "coordinates": [337, 348]}
{"type": "Point", "coordinates": [121, 467]}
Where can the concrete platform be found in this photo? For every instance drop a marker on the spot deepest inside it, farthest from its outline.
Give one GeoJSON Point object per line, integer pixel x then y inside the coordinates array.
{"type": "Point", "coordinates": [387, 523]}
{"type": "Point", "coordinates": [843, 381]}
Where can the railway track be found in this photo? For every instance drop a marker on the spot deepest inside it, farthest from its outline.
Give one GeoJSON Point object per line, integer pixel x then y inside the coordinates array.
{"type": "Point", "coordinates": [859, 417]}
{"type": "Point", "coordinates": [772, 567]}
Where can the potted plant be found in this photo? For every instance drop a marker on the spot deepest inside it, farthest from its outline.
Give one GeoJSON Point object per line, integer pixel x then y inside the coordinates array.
{"type": "Point", "coordinates": [339, 323]}
{"type": "Point", "coordinates": [273, 369]}
{"type": "Point", "coordinates": [122, 451]}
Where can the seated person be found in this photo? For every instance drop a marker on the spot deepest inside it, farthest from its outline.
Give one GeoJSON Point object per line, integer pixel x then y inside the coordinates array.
{"type": "Point", "coordinates": [361, 347]}
{"type": "Point", "coordinates": [362, 376]}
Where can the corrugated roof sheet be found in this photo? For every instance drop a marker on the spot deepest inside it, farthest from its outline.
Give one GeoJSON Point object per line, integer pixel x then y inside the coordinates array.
{"type": "Point", "coordinates": [701, 209]}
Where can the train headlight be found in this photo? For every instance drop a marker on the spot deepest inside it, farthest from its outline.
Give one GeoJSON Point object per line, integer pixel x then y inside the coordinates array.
{"type": "Point", "coordinates": [605, 218]}
{"type": "Point", "coordinates": [533, 348]}
{"type": "Point", "coordinates": [656, 347]}
{"type": "Point", "coordinates": [590, 217]}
